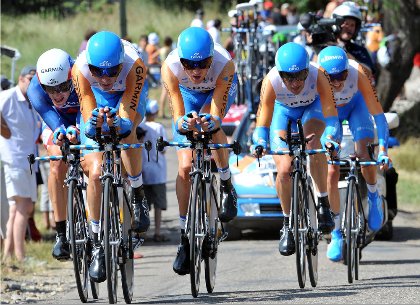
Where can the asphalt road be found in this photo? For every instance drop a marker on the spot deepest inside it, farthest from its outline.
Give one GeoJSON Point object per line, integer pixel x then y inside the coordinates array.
{"type": "Point", "coordinates": [252, 270]}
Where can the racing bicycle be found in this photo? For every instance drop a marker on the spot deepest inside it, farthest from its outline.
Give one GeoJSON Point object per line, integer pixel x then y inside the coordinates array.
{"type": "Point", "coordinates": [77, 224]}
{"type": "Point", "coordinates": [204, 229]}
{"type": "Point", "coordinates": [303, 210]}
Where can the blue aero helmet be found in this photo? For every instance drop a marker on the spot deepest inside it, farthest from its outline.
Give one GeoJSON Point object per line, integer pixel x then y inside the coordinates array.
{"type": "Point", "coordinates": [195, 44]}
{"type": "Point", "coordinates": [292, 57]}
{"type": "Point", "coordinates": [104, 50]}
{"type": "Point", "coordinates": [333, 59]}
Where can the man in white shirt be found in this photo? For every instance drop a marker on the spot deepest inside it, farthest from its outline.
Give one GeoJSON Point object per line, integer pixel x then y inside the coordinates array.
{"type": "Point", "coordinates": [21, 186]}
{"type": "Point", "coordinates": [214, 30]}
{"type": "Point", "coordinates": [198, 20]}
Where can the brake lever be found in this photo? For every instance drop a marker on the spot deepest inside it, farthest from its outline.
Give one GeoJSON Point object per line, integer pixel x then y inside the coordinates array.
{"type": "Point", "coordinates": [148, 147]}
{"type": "Point", "coordinates": [31, 160]}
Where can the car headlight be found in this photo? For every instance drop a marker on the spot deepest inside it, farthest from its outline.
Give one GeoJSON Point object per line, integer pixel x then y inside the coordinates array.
{"type": "Point", "coordinates": [250, 209]}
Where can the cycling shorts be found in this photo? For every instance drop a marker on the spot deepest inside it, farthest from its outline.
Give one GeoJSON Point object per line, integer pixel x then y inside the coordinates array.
{"type": "Point", "coordinates": [103, 99]}
{"type": "Point", "coordinates": [282, 114]}
{"type": "Point", "coordinates": [360, 121]}
{"type": "Point", "coordinates": [195, 100]}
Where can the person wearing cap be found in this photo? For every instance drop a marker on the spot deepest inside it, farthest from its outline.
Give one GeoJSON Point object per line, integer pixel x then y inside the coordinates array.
{"type": "Point", "coordinates": [356, 102]}
{"type": "Point", "coordinates": [348, 33]}
{"type": "Point", "coordinates": [154, 172]}
{"type": "Point", "coordinates": [52, 95]}
{"type": "Point", "coordinates": [297, 89]}
{"type": "Point", "coordinates": [200, 79]}
{"type": "Point", "coordinates": [109, 78]}
{"type": "Point", "coordinates": [21, 186]}
{"type": "Point", "coordinates": [152, 49]}
{"type": "Point", "coordinates": [198, 20]}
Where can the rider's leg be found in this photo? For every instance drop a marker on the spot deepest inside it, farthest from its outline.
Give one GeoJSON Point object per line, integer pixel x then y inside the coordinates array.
{"type": "Point", "coordinates": [58, 196]}
{"type": "Point", "coordinates": [132, 159]}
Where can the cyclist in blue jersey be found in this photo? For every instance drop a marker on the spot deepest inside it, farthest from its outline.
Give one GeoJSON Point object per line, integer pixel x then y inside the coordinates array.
{"type": "Point", "coordinates": [200, 78]}
{"type": "Point", "coordinates": [109, 78]}
{"type": "Point", "coordinates": [52, 95]}
{"type": "Point", "coordinates": [297, 89]}
{"type": "Point", "coordinates": [356, 102]}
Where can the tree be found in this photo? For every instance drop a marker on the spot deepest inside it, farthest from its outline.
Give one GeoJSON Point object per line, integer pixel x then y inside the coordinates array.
{"type": "Point", "coordinates": [401, 17]}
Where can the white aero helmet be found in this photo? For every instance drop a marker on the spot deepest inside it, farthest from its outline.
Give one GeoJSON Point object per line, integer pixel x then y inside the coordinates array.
{"type": "Point", "coordinates": [348, 9]}
{"type": "Point", "coordinates": [54, 67]}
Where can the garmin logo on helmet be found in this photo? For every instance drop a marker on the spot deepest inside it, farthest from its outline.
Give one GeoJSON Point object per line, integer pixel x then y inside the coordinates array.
{"type": "Point", "coordinates": [105, 63]}
{"type": "Point", "coordinates": [52, 81]}
{"type": "Point", "coordinates": [196, 56]}
{"type": "Point", "coordinates": [334, 70]}
{"type": "Point", "coordinates": [294, 68]}
{"type": "Point", "coordinates": [60, 68]}
{"type": "Point", "coordinates": [332, 57]}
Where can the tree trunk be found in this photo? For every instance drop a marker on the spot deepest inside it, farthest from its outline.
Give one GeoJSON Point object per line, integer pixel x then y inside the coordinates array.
{"type": "Point", "coordinates": [401, 17]}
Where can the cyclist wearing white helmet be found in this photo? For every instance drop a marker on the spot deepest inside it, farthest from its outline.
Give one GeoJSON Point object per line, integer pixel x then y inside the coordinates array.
{"type": "Point", "coordinates": [52, 96]}
{"type": "Point", "coordinates": [297, 89]}
{"type": "Point", "coordinates": [348, 32]}
{"type": "Point", "coordinates": [356, 101]}
{"type": "Point", "coordinates": [109, 77]}
{"type": "Point", "coordinates": [200, 78]}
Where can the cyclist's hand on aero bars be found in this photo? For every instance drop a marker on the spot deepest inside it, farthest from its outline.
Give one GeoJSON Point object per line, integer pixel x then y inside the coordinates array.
{"type": "Point", "coordinates": [73, 134]}
{"type": "Point", "coordinates": [58, 135]}
{"type": "Point", "coordinates": [210, 122]}
{"type": "Point", "coordinates": [96, 120]}
{"type": "Point", "coordinates": [188, 122]}
{"type": "Point", "coordinates": [331, 146]}
{"type": "Point", "coordinates": [384, 160]}
{"type": "Point", "coordinates": [123, 125]}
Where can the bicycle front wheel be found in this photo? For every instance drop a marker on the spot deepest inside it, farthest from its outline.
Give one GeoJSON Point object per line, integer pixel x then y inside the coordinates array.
{"type": "Point", "coordinates": [78, 237]}
{"type": "Point", "coordinates": [299, 228]}
{"type": "Point", "coordinates": [126, 251]}
{"type": "Point", "coordinates": [312, 251]}
{"type": "Point", "coordinates": [213, 234]}
{"type": "Point", "coordinates": [196, 234]}
{"type": "Point", "coordinates": [352, 251]}
{"type": "Point", "coordinates": [111, 238]}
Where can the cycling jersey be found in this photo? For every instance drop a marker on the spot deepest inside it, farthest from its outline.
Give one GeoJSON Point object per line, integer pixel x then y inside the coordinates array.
{"type": "Point", "coordinates": [53, 116]}
{"type": "Point", "coordinates": [128, 85]}
{"type": "Point", "coordinates": [220, 58]}
{"type": "Point", "coordinates": [278, 105]}
{"type": "Point", "coordinates": [355, 101]}
{"type": "Point", "coordinates": [219, 87]}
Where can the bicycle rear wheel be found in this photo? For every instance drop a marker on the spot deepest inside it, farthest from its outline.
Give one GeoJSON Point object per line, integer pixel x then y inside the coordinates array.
{"type": "Point", "coordinates": [351, 231]}
{"type": "Point", "coordinates": [312, 251]}
{"type": "Point", "coordinates": [299, 228]}
{"type": "Point", "coordinates": [126, 251]}
{"type": "Point", "coordinates": [111, 238]}
{"type": "Point", "coordinates": [212, 235]}
{"type": "Point", "coordinates": [196, 234]}
{"type": "Point", "coordinates": [78, 238]}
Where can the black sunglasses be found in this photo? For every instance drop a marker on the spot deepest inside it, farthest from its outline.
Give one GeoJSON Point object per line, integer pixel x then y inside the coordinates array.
{"type": "Point", "coordinates": [191, 65]}
{"type": "Point", "coordinates": [291, 76]}
{"type": "Point", "coordinates": [63, 87]}
{"type": "Point", "coordinates": [111, 72]}
{"type": "Point", "coordinates": [342, 76]}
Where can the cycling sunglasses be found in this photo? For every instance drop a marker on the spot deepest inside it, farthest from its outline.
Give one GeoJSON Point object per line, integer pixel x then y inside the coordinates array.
{"type": "Point", "coordinates": [291, 76]}
{"type": "Point", "coordinates": [63, 87]}
{"type": "Point", "coordinates": [342, 76]}
{"type": "Point", "coordinates": [191, 65]}
{"type": "Point", "coordinates": [110, 72]}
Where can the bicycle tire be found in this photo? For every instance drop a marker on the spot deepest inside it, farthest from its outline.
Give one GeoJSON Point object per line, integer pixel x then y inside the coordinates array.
{"type": "Point", "coordinates": [196, 234]}
{"type": "Point", "coordinates": [78, 238]}
{"type": "Point", "coordinates": [110, 238]}
{"type": "Point", "coordinates": [350, 229]}
{"type": "Point", "coordinates": [213, 234]}
{"type": "Point", "coordinates": [312, 252]}
{"type": "Point", "coordinates": [127, 265]}
{"type": "Point", "coordinates": [298, 229]}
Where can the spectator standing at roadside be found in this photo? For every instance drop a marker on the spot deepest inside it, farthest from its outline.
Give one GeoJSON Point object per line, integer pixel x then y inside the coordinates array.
{"type": "Point", "coordinates": [5, 133]}
{"type": "Point", "coordinates": [164, 52]}
{"type": "Point", "coordinates": [154, 171]}
{"type": "Point", "coordinates": [215, 30]}
{"type": "Point", "coordinates": [89, 33]}
{"type": "Point", "coordinates": [198, 20]}
{"type": "Point", "coordinates": [20, 184]}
